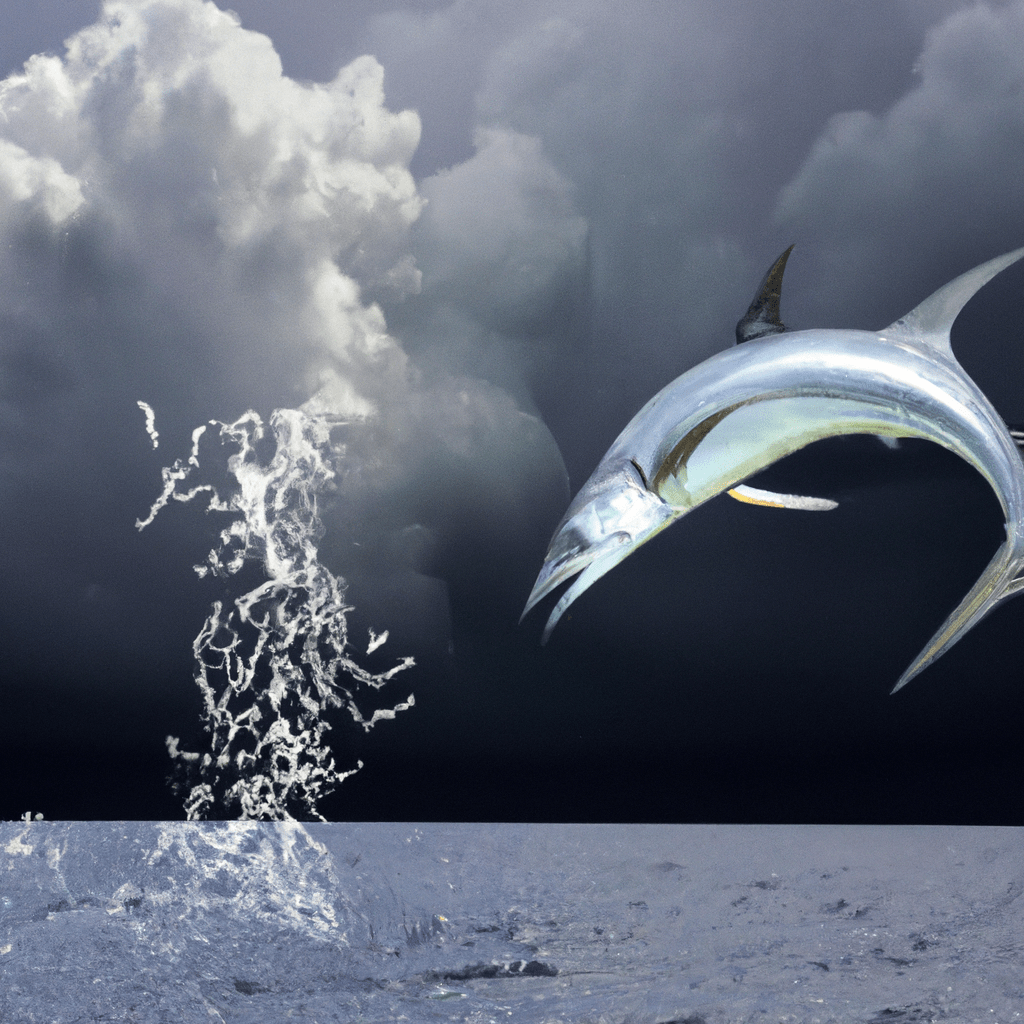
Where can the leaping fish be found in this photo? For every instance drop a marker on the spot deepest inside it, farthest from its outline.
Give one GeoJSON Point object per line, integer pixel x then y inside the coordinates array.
{"type": "Point", "coordinates": [747, 407]}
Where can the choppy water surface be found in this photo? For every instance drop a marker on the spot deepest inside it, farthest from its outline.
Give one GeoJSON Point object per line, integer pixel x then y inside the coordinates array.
{"type": "Point", "coordinates": [482, 923]}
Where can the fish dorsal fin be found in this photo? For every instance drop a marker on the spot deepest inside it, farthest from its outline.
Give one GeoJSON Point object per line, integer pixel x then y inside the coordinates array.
{"type": "Point", "coordinates": [929, 323]}
{"type": "Point", "coordinates": [763, 315]}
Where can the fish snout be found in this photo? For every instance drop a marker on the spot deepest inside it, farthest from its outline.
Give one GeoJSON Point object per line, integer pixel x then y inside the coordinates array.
{"type": "Point", "coordinates": [609, 519]}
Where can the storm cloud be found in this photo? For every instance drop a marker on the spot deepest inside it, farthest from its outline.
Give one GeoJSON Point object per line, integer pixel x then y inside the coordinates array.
{"type": "Point", "coordinates": [188, 226]}
{"type": "Point", "coordinates": [482, 235]}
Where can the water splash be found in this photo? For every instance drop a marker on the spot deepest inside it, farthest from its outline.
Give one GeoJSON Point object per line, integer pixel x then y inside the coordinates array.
{"type": "Point", "coordinates": [270, 667]}
{"type": "Point", "coordinates": [147, 410]}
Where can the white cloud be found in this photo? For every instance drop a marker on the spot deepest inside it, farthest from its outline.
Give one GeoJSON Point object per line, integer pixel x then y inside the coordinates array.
{"type": "Point", "coordinates": [37, 183]}
{"type": "Point", "coordinates": [261, 207]}
{"type": "Point", "coordinates": [262, 211]}
{"type": "Point", "coordinates": [182, 223]}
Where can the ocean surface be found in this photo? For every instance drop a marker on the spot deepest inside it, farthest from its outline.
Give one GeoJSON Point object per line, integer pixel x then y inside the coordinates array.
{"type": "Point", "coordinates": [267, 922]}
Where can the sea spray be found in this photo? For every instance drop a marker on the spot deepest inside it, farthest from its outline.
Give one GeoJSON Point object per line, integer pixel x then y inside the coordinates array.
{"type": "Point", "coordinates": [271, 666]}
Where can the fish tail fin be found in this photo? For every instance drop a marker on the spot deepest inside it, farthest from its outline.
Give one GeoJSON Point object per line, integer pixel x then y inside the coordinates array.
{"type": "Point", "coordinates": [1003, 578]}
{"type": "Point", "coordinates": [930, 322]}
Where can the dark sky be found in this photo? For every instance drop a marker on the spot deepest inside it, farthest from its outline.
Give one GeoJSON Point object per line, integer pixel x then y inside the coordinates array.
{"type": "Point", "coordinates": [474, 238]}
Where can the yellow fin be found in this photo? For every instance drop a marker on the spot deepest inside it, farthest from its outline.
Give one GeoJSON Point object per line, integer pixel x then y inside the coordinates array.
{"type": "Point", "coordinates": [770, 499]}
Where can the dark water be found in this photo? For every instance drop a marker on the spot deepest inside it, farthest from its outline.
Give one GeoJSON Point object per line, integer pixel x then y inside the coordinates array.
{"type": "Point", "coordinates": [481, 923]}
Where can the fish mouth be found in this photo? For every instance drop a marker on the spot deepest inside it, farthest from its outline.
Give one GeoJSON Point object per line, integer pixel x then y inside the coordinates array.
{"type": "Point", "coordinates": [609, 519]}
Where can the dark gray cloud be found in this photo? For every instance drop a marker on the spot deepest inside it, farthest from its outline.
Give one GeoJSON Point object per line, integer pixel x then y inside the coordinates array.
{"type": "Point", "coordinates": [500, 236]}
{"type": "Point", "coordinates": [675, 125]}
{"type": "Point", "coordinates": [933, 173]}
{"type": "Point", "coordinates": [896, 202]}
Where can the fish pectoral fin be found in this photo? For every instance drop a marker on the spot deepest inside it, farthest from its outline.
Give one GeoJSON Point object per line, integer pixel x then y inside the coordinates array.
{"type": "Point", "coordinates": [771, 499]}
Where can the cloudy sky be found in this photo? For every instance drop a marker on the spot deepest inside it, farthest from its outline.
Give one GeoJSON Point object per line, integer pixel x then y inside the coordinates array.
{"type": "Point", "coordinates": [470, 239]}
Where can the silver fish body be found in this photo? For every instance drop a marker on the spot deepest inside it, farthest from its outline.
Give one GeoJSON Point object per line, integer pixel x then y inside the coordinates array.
{"type": "Point", "coordinates": [745, 408]}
